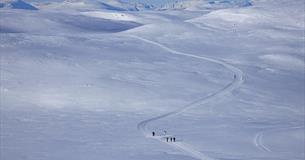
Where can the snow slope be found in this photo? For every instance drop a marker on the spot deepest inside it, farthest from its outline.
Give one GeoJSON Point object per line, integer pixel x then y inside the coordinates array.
{"type": "Point", "coordinates": [61, 23]}
{"type": "Point", "coordinates": [16, 4]}
{"type": "Point", "coordinates": [142, 5]}
{"type": "Point", "coordinates": [111, 5]}
{"type": "Point", "coordinates": [111, 15]}
{"type": "Point", "coordinates": [86, 82]}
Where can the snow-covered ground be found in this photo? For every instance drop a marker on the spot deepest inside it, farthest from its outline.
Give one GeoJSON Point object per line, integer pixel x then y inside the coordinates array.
{"type": "Point", "coordinates": [92, 79]}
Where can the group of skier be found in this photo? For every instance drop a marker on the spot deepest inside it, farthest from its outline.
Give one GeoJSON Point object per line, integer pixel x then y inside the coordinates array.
{"type": "Point", "coordinates": [168, 138]}
{"type": "Point", "coordinates": [171, 139]}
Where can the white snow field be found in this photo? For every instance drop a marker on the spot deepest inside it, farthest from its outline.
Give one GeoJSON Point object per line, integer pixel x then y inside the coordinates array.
{"type": "Point", "coordinates": [92, 79]}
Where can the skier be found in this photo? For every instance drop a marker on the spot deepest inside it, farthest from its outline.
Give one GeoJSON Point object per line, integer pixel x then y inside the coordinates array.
{"type": "Point", "coordinates": [153, 133]}
{"type": "Point", "coordinates": [166, 139]}
{"type": "Point", "coordinates": [171, 139]}
{"type": "Point", "coordinates": [174, 139]}
{"type": "Point", "coordinates": [234, 28]}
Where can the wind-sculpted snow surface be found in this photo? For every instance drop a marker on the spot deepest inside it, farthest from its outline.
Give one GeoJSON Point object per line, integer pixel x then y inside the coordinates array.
{"type": "Point", "coordinates": [84, 79]}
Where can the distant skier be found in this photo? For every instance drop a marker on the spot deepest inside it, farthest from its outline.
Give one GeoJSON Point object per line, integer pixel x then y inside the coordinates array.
{"type": "Point", "coordinates": [234, 28]}
{"type": "Point", "coordinates": [171, 139]}
{"type": "Point", "coordinates": [153, 133]}
{"type": "Point", "coordinates": [166, 139]}
{"type": "Point", "coordinates": [174, 139]}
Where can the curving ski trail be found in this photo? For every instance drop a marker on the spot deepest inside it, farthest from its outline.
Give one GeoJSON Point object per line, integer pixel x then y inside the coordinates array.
{"type": "Point", "coordinates": [237, 81]}
{"type": "Point", "coordinates": [258, 138]}
{"type": "Point", "coordinates": [258, 141]}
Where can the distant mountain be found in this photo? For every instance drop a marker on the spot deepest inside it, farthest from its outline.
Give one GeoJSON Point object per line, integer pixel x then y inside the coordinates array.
{"type": "Point", "coordinates": [16, 4]}
{"type": "Point", "coordinates": [114, 5]}
{"type": "Point", "coordinates": [132, 5]}
{"type": "Point", "coordinates": [204, 4]}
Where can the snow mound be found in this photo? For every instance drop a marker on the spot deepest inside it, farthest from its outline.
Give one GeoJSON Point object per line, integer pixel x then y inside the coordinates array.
{"type": "Point", "coordinates": [282, 14]}
{"type": "Point", "coordinates": [110, 15]}
{"type": "Point", "coordinates": [110, 7]}
{"type": "Point", "coordinates": [206, 4]}
{"type": "Point", "coordinates": [241, 16]}
{"type": "Point", "coordinates": [113, 5]}
{"type": "Point", "coordinates": [16, 4]}
{"type": "Point", "coordinates": [62, 22]}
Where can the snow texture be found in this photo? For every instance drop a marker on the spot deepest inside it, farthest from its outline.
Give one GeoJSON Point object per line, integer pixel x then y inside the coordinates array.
{"type": "Point", "coordinates": [92, 79]}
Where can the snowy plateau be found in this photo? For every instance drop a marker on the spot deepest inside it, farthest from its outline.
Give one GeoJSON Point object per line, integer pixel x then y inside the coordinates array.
{"type": "Point", "coordinates": [93, 79]}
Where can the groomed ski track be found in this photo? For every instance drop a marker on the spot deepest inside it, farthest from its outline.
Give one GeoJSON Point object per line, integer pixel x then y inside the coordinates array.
{"type": "Point", "coordinates": [182, 146]}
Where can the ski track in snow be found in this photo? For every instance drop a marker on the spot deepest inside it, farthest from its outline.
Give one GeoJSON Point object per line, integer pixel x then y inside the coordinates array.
{"type": "Point", "coordinates": [258, 139]}
{"type": "Point", "coordinates": [182, 146]}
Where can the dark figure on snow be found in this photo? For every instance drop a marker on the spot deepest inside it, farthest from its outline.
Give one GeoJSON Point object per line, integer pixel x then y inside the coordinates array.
{"type": "Point", "coordinates": [171, 139]}
{"type": "Point", "coordinates": [174, 139]}
{"type": "Point", "coordinates": [153, 133]}
{"type": "Point", "coordinates": [166, 139]}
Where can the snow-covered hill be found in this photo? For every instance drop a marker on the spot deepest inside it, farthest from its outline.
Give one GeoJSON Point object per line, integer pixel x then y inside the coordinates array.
{"type": "Point", "coordinates": [205, 4]}
{"type": "Point", "coordinates": [91, 80]}
{"type": "Point", "coordinates": [129, 5]}
{"type": "Point", "coordinates": [112, 5]}
{"type": "Point", "coordinates": [16, 4]}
